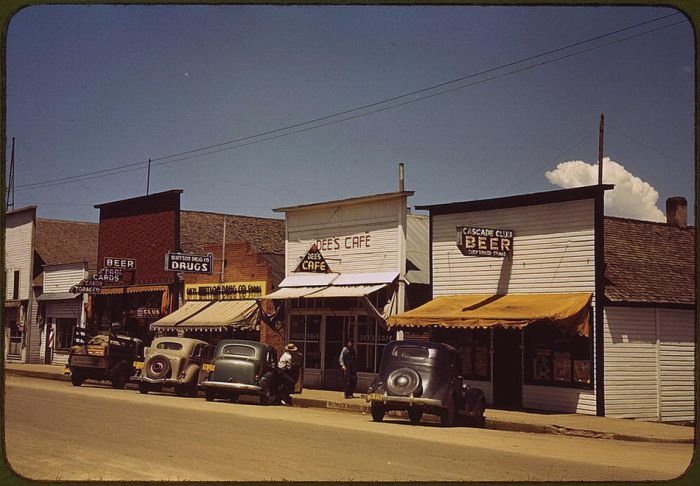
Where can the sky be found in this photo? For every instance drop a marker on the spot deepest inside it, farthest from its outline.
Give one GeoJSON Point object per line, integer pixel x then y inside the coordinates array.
{"type": "Point", "coordinates": [219, 98]}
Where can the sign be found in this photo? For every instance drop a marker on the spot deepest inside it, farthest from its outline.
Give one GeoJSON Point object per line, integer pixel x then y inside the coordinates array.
{"type": "Point", "coordinates": [109, 275]}
{"type": "Point", "coordinates": [189, 263]}
{"type": "Point", "coordinates": [87, 286]}
{"type": "Point", "coordinates": [123, 263]}
{"type": "Point", "coordinates": [351, 242]}
{"type": "Point", "coordinates": [225, 291]}
{"type": "Point", "coordinates": [487, 242]}
{"type": "Point", "coordinates": [313, 262]}
{"type": "Point", "coordinates": [147, 312]}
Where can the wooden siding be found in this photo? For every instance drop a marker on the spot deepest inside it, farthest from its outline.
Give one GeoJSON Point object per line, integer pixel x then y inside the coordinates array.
{"type": "Point", "coordinates": [379, 221]}
{"type": "Point", "coordinates": [567, 400]}
{"type": "Point", "coordinates": [61, 279]}
{"type": "Point", "coordinates": [631, 374]}
{"type": "Point", "coordinates": [676, 364]}
{"type": "Point", "coordinates": [19, 251]}
{"type": "Point", "coordinates": [553, 251]}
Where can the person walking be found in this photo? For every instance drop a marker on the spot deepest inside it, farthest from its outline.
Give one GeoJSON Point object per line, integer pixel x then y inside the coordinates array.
{"type": "Point", "coordinates": [348, 362]}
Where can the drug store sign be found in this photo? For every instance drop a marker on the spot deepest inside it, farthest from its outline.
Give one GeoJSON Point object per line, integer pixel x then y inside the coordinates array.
{"type": "Point", "coordinates": [485, 242]}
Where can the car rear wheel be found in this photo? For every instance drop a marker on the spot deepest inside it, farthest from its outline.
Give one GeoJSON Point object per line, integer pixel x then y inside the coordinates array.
{"type": "Point", "coordinates": [415, 414]}
{"type": "Point", "coordinates": [76, 378]}
{"type": "Point", "coordinates": [233, 397]}
{"type": "Point", "coordinates": [143, 388]}
{"type": "Point", "coordinates": [119, 379]}
{"type": "Point", "coordinates": [378, 411]}
{"type": "Point", "coordinates": [478, 420]}
{"type": "Point", "coordinates": [210, 394]}
{"type": "Point", "coordinates": [181, 390]}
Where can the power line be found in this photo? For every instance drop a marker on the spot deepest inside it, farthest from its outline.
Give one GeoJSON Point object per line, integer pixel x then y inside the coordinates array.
{"type": "Point", "coordinates": [315, 123]}
{"type": "Point", "coordinates": [649, 147]}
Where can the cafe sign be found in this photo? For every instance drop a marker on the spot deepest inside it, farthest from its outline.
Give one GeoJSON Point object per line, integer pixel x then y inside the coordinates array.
{"type": "Point", "coordinates": [225, 291]}
{"type": "Point", "coordinates": [313, 262]}
{"type": "Point", "coordinates": [488, 242]}
{"type": "Point", "coordinates": [189, 263]}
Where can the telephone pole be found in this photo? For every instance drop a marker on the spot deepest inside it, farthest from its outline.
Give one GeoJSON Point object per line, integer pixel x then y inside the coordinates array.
{"type": "Point", "coordinates": [10, 202]}
{"type": "Point", "coordinates": [601, 143]}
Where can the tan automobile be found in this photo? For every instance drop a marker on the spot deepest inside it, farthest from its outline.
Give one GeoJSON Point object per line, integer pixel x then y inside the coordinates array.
{"type": "Point", "coordinates": [172, 362]}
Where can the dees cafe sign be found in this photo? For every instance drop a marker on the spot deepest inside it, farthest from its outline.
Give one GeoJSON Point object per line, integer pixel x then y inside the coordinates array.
{"type": "Point", "coordinates": [473, 241]}
{"type": "Point", "coordinates": [313, 262]}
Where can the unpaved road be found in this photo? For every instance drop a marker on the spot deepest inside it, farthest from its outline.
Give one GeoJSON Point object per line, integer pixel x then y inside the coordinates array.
{"type": "Point", "coordinates": [55, 431]}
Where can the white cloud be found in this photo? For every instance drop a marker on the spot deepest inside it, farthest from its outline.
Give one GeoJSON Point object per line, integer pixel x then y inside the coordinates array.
{"type": "Point", "coordinates": [631, 198]}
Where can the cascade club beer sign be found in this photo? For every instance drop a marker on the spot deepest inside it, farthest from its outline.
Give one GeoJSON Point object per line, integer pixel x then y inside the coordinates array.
{"type": "Point", "coordinates": [313, 262]}
{"type": "Point", "coordinates": [486, 242]}
{"type": "Point", "coordinates": [189, 263]}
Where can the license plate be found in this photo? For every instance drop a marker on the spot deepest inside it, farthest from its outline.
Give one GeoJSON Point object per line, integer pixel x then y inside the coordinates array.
{"type": "Point", "coordinates": [208, 367]}
{"type": "Point", "coordinates": [373, 397]}
{"type": "Point", "coordinates": [138, 365]}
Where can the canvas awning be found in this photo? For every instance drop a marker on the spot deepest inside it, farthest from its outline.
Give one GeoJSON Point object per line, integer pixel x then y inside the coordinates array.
{"type": "Point", "coordinates": [346, 291]}
{"type": "Point", "coordinates": [291, 293]}
{"type": "Point", "coordinates": [49, 296]}
{"type": "Point", "coordinates": [133, 289]}
{"type": "Point", "coordinates": [569, 312]}
{"type": "Point", "coordinates": [180, 315]}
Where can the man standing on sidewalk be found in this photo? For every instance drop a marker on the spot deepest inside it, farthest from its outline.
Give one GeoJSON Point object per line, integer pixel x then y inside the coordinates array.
{"type": "Point", "coordinates": [348, 362]}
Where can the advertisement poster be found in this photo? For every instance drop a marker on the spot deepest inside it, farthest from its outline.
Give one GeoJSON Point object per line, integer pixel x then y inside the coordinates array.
{"type": "Point", "coordinates": [582, 371]}
{"type": "Point", "coordinates": [562, 366]}
{"type": "Point", "coordinates": [542, 367]}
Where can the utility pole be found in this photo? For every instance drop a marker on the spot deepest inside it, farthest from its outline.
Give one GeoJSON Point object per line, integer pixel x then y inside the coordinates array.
{"type": "Point", "coordinates": [148, 177]}
{"type": "Point", "coordinates": [401, 183]}
{"type": "Point", "coordinates": [601, 143]}
{"type": "Point", "coordinates": [223, 253]}
{"type": "Point", "coordinates": [10, 202]}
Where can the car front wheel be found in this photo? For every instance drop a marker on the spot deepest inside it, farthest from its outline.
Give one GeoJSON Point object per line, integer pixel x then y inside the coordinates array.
{"type": "Point", "coordinates": [378, 411]}
{"type": "Point", "coordinates": [210, 395]}
{"type": "Point", "coordinates": [415, 414]}
{"type": "Point", "coordinates": [143, 388]}
{"type": "Point", "coordinates": [76, 378]}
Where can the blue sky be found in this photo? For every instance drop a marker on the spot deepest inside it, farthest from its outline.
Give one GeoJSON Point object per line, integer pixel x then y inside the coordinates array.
{"type": "Point", "coordinates": [91, 88]}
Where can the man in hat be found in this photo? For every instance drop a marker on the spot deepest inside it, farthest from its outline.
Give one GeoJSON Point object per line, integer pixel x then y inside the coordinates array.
{"type": "Point", "coordinates": [287, 372]}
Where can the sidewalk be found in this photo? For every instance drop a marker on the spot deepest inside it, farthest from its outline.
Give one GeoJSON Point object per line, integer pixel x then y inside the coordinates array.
{"type": "Point", "coordinates": [520, 421]}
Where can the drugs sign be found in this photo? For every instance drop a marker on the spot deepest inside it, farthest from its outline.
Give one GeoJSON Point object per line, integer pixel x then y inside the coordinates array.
{"type": "Point", "coordinates": [189, 263]}
{"type": "Point", "coordinates": [486, 242]}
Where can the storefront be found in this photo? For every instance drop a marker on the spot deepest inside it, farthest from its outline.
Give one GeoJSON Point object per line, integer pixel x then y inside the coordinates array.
{"type": "Point", "coordinates": [515, 284]}
{"type": "Point", "coordinates": [346, 272]}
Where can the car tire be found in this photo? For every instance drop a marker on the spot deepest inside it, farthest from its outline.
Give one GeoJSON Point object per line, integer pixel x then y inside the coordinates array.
{"type": "Point", "coordinates": [76, 378]}
{"type": "Point", "coordinates": [119, 380]}
{"type": "Point", "coordinates": [143, 388]}
{"type": "Point", "coordinates": [404, 382]}
{"type": "Point", "coordinates": [157, 367]}
{"type": "Point", "coordinates": [479, 420]}
{"type": "Point", "coordinates": [210, 394]}
{"type": "Point", "coordinates": [448, 415]}
{"type": "Point", "coordinates": [378, 411]}
{"type": "Point", "coordinates": [267, 397]}
{"type": "Point", "coordinates": [233, 397]}
{"type": "Point", "coordinates": [415, 414]}
{"type": "Point", "coordinates": [192, 390]}
{"type": "Point", "coordinates": [180, 390]}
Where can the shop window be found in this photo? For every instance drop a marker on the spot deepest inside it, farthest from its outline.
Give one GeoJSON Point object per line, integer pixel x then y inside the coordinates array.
{"type": "Point", "coordinates": [336, 335]}
{"type": "Point", "coordinates": [305, 332]}
{"type": "Point", "coordinates": [473, 346]}
{"type": "Point", "coordinates": [556, 358]}
{"type": "Point", "coordinates": [65, 328]}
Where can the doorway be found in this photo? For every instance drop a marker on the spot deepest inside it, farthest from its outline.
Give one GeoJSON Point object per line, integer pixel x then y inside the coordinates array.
{"type": "Point", "coordinates": [507, 368]}
{"type": "Point", "coordinates": [336, 331]}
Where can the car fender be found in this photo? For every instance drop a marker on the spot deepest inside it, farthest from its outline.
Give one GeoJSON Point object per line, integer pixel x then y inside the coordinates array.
{"type": "Point", "coordinates": [191, 373]}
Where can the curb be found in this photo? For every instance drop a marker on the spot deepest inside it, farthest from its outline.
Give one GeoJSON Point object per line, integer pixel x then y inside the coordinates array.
{"type": "Point", "coordinates": [361, 407]}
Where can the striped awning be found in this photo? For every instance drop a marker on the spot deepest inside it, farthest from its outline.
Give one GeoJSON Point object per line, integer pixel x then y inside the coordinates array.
{"type": "Point", "coordinates": [180, 315]}
{"type": "Point", "coordinates": [213, 316]}
{"type": "Point", "coordinates": [133, 289]}
{"type": "Point", "coordinates": [346, 291]}
{"type": "Point", "coordinates": [291, 293]}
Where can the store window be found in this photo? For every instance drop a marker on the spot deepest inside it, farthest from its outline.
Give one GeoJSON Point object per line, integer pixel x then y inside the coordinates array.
{"type": "Point", "coordinates": [473, 346]}
{"type": "Point", "coordinates": [305, 332]}
{"type": "Point", "coordinates": [556, 358]}
{"type": "Point", "coordinates": [64, 333]}
{"type": "Point", "coordinates": [371, 339]}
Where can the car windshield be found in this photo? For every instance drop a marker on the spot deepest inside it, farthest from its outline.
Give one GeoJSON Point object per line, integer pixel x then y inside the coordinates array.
{"type": "Point", "coordinates": [238, 350]}
{"type": "Point", "coordinates": [410, 352]}
{"type": "Point", "coordinates": [169, 345]}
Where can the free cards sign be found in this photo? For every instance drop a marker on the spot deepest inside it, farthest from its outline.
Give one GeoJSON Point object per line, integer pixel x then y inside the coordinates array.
{"type": "Point", "coordinates": [488, 242]}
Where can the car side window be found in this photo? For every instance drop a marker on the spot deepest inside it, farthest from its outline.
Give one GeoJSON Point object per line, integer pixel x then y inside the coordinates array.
{"type": "Point", "coordinates": [272, 357]}
{"type": "Point", "coordinates": [197, 352]}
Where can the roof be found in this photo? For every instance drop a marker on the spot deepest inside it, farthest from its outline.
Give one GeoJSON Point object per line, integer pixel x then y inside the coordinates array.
{"type": "Point", "coordinates": [534, 199]}
{"type": "Point", "coordinates": [139, 199]}
{"type": "Point", "coordinates": [59, 241]}
{"type": "Point", "coordinates": [199, 229]}
{"type": "Point", "coordinates": [649, 263]}
{"type": "Point", "coordinates": [349, 201]}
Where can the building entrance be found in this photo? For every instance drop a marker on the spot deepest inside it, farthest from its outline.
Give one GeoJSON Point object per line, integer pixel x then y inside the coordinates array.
{"type": "Point", "coordinates": [507, 368]}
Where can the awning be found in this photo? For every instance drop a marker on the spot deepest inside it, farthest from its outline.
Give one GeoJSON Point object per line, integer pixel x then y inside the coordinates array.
{"type": "Point", "coordinates": [133, 289]}
{"type": "Point", "coordinates": [49, 296]}
{"type": "Point", "coordinates": [180, 315]}
{"type": "Point", "coordinates": [218, 315]}
{"type": "Point", "coordinates": [345, 291]}
{"type": "Point", "coordinates": [291, 293]}
{"type": "Point", "coordinates": [569, 312]}
{"type": "Point", "coordinates": [367, 278]}
{"type": "Point", "coordinates": [13, 303]}
{"type": "Point", "coordinates": [302, 279]}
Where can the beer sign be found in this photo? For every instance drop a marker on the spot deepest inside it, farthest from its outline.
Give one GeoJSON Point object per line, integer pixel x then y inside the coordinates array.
{"type": "Point", "coordinates": [473, 241]}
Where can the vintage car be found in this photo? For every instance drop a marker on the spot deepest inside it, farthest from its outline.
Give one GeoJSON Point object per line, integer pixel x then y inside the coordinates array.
{"type": "Point", "coordinates": [242, 367]}
{"type": "Point", "coordinates": [103, 357]}
{"type": "Point", "coordinates": [172, 362]}
{"type": "Point", "coordinates": [424, 377]}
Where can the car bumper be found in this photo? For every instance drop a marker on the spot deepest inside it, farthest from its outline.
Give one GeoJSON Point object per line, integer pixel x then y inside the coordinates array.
{"type": "Point", "coordinates": [398, 400]}
{"type": "Point", "coordinates": [157, 381]}
{"type": "Point", "coordinates": [231, 386]}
